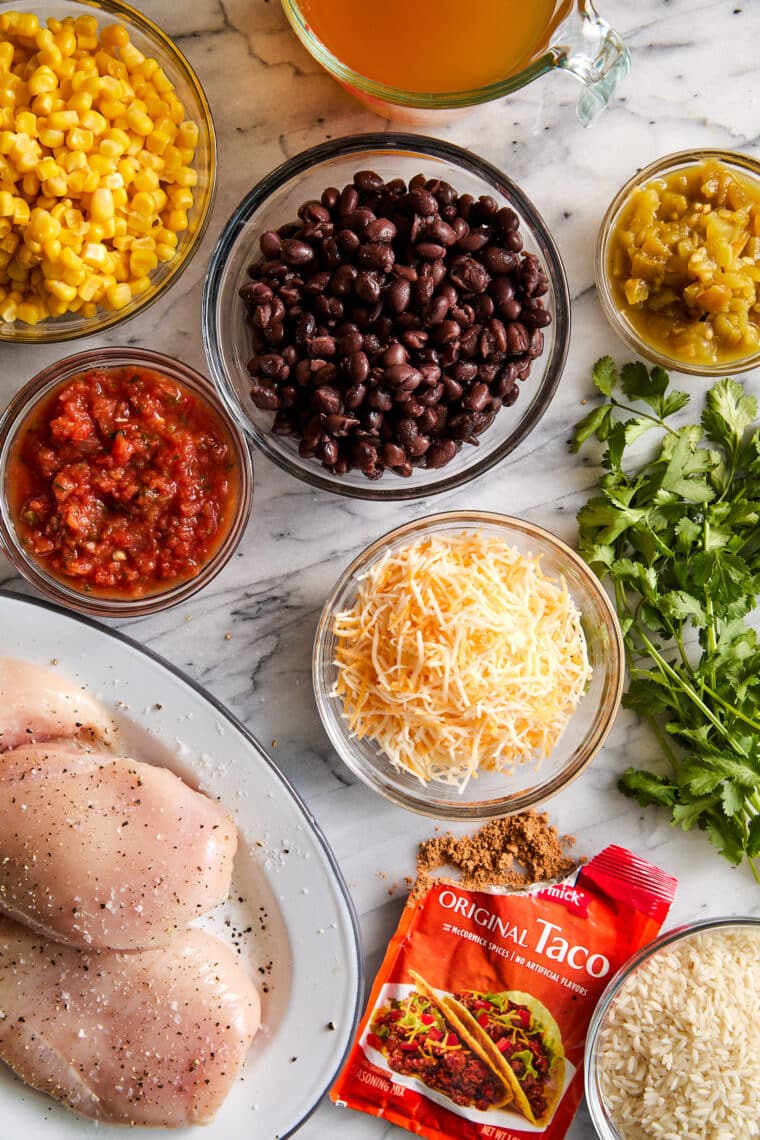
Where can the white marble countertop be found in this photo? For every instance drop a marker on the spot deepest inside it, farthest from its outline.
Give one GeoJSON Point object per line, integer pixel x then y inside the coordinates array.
{"type": "Point", "coordinates": [695, 81]}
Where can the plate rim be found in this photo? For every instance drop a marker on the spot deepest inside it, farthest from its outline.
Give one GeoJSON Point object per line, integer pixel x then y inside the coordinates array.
{"type": "Point", "coordinates": [287, 784]}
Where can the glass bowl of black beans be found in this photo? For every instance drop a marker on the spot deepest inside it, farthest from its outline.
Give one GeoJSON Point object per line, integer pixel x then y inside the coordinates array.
{"type": "Point", "coordinates": [386, 316]}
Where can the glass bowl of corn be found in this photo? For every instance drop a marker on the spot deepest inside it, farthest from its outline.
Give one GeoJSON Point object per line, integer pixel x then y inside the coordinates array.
{"type": "Point", "coordinates": [107, 166]}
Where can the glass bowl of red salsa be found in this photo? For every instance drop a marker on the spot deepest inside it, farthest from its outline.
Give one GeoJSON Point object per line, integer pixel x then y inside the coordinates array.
{"type": "Point", "coordinates": [125, 486]}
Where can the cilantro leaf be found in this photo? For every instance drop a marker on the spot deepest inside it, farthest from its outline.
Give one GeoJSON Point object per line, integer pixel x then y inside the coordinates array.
{"type": "Point", "coordinates": [647, 788]}
{"type": "Point", "coordinates": [728, 413]}
{"type": "Point", "coordinates": [605, 375]}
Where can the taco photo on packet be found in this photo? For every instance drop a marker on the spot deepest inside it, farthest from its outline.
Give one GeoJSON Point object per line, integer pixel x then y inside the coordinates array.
{"type": "Point", "coordinates": [417, 1039]}
{"type": "Point", "coordinates": [522, 1042]}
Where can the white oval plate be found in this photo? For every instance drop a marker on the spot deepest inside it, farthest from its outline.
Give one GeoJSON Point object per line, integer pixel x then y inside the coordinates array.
{"type": "Point", "coordinates": [290, 914]}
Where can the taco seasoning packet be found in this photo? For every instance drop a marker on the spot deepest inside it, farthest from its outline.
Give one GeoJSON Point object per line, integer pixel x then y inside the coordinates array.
{"type": "Point", "coordinates": [477, 1020]}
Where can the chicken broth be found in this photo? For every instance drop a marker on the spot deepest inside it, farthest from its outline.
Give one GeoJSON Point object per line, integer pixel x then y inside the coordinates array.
{"type": "Point", "coordinates": [436, 46]}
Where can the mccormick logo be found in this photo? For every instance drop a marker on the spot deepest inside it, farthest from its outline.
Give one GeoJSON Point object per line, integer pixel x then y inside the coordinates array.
{"type": "Point", "coordinates": [573, 898]}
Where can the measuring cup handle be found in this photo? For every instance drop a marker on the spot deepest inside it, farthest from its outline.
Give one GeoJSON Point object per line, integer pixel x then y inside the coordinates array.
{"type": "Point", "coordinates": [593, 52]}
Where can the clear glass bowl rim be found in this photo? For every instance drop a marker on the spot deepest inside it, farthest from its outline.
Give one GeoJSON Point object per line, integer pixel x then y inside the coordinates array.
{"type": "Point", "coordinates": [424, 146]}
{"type": "Point", "coordinates": [481, 810]}
{"type": "Point", "coordinates": [46, 332]}
{"type": "Point", "coordinates": [446, 100]}
{"type": "Point", "coordinates": [591, 1057]}
{"type": "Point", "coordinates": [38, 388]}
{"type": "Point", "coordinates": [745, 164]}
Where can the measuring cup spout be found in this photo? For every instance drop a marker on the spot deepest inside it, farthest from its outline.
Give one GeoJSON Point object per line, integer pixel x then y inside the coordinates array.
{"type": "Point", "coordinates": [594, 53]}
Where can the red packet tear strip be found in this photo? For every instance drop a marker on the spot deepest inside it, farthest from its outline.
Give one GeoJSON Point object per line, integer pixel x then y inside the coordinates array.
{"type": "Point", "coordinates": [477, 1019]}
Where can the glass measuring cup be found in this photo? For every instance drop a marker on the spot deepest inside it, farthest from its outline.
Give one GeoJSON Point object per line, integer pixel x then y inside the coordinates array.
{"type": "Point", "coordinates": [583, 44]}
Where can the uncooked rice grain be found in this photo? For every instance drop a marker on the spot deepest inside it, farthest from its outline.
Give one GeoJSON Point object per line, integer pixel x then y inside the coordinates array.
{"type": "Point", "coordinates": [680, 1045]}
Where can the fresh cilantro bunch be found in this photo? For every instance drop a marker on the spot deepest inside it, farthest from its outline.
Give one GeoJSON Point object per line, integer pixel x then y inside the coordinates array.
{"type": "Point", "coordinates": [679, 539]}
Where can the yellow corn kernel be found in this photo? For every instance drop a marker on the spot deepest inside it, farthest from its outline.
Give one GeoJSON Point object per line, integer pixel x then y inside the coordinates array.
{"type": "Point", "coordinates": [148, 68]}
{"type": "Point", "coordinates": [70, 240]}
{"type": "Point", "coordinates": [113, 181]}
{"type": "Point", "coordinates": [10, 242]}
{"type": "Point", "coordinates": [160, 137]}
{"type": "Point", "coordinates": [80, 102]}
{"type": "Point", "coordinates": [89, 288]}
{"type": "Point", "coordinates": [93, 121]}
{"type": "Point", "coordinates": [26, 124]}
{"type": "Point", "coordinates": [51, 139]}
{"type": "Point", "coordinates": [137, 224]}
{"type": "Point", "coordinates": [123, 242]}
{"type": "Point", "coordinates": [177, 220]}
{"type": "Point", "coordinates": [101, 163]}
{"type": "Point", "coordinates": [6, 55]}
{"type": "Point", "coordinates": [6, 204]}
{"type": "Point", "coordinates": [31, 312]}
{"type": "Point", "coordinates": [161, 81]}
{"type": "Point", "coordinates": [172, 159]}
{"type": "Point", "coordinates": [75, 223]}
{"type": "Point", "coordinates": [167, 236]}
{"type": "Point", "coordinates": [120, 198]}
{"type": "Point", "coordinates": [56, 187]}
{"type": "Point", "coordinates": [16, 272]}
{"type": "Point", "coordinates": [76, 181]}
{"type": "Point", "coordinates": [187, 135]}
{"type": "Point", "coordinates": [86, 28]}
{"type": "Point", "coordinates": [142, 262]}
{"type": "Point", "coordinates": [63, 120]}
{"type": "Point", "coordinates": [186, 176]}
{"type": "Point", "coordinates": [165, 252]}
{"type": "Point", "coordinates": [160, 200]}
{"type": "Point", "coordinates": [48, 168]}
{"type": "Point", "coordinates": [89, 310]}
{"type": "Point", "coordinates": [181, 197]}
{"type": "Point", "coordinates": [132, 56]}
{"type": "Point", "coordinates": [117, 296]}
{"type": "Point", "coordinates": [51, 56]}
{"type": "Point", "coordinates": [138, 121]}
{"type": "Point", "coordinates": [43, 226]}
{"type": "Point", "coordinates": [8, 310]}
{"type": "Point", "coordinates": [80, 139]}
{"type": "Point", "coordinates": [55, 306]}
{"type": "Point", "coordinates": [42, 104]}
{"type": "Point", "coordinates": [91, 181]}
{"type": "Point", "coordinates": [113, 109]}
{"type": "Point", "coordinates": [176, 109]}
{"type": "Point", "coordinates": [139, 285]}
{"type": "Point", "coordinates": [66, 41]}
{"type": "Point", "coordinates": [95, 232]}
{"type": "Point", "coordinates": [76, 160]}
{"type": "Point", "coordinates": [95, 254]}
{"type": "Point", "coordinates": [21, 212]}
{"type": "Point", "coordinates": [42, 81]}
{"type": "Point", "coordinates": [119, 227]}
{"type": "Point", "coordinates": [146, 181]}
{"type": "Point", "coordinates": [114, 36]}
{"type": "Point", "coordinates": [52, 249]}
{"type": "Point", "coordinates": [144, 204]}
{"type": "Point", "coordinates": [61, 290]}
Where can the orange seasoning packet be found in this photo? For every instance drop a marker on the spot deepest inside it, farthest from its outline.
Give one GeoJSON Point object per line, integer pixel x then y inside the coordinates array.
{"type": "Point", "coordinates": [477, 1020]}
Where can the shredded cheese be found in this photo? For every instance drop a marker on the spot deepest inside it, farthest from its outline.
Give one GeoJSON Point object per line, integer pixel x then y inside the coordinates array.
{"type": "Point", "coordinates": [459, 654]}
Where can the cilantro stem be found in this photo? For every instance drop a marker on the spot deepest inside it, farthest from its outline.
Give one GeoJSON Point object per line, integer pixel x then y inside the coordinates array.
{"type": "Point", "coordinates": [683, 684]}
{"type": "Point", "coordinates": [731, 708]}
{"type": "Point", "coordinates": [641, 415]}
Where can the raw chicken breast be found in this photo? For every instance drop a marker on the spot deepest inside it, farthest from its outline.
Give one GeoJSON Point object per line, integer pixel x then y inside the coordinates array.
{"type": "Point", "coordinates": [37, 704]}
{"type": "Point", "coordinates": [156, 1037]}
{"type": "Point", "coordinates": [102, 851]}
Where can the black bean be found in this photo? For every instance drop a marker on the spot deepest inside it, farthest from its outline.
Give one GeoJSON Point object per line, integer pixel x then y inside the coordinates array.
{"type": "Point", "coordinates": [399, 295]}
{"type": "Point", "coordinates": [297, 252]}
{"type": "Point", "coordinates": [271, 244]}
{"type": "Point", "coordinates": [517, 339]}
{"type": "Point", "coordinates": [441, 452]}
{"type": "Point", "coordinates": [349, 200]}
{"type": "Point", "coordinates": [381, 229]}
{"type": "Point", "coordinates": [395, 353]}
{"type": "Point", "coordinates": [429, 250]}
{"type": "Point", "coordinates": [368, 181]}
{"type": "Point", "coordinates": [367, 286]}
{"type": "Point", "coordinates": [354, 397]}
{"type": "Point", "coordinates": [376, 255]}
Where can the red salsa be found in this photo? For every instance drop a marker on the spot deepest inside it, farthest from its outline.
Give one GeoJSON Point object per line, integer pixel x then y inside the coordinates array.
{"type": "Point", "coordinates": [123, 482]}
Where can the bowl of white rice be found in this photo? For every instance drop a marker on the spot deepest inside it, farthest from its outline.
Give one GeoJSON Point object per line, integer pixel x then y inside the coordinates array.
{"type": "Point", "coordinates": [673, 1050]}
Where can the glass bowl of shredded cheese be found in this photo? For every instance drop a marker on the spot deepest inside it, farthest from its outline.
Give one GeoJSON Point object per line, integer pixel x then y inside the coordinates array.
{"type": "Point", "coordinates": [107, 166]}
{"type": "Point", "coordinates": [467, 665]}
